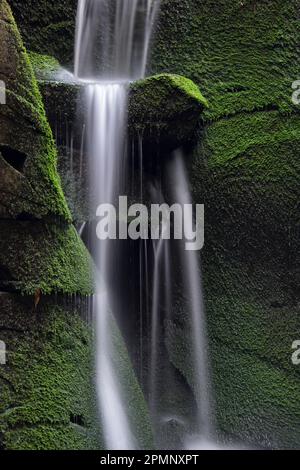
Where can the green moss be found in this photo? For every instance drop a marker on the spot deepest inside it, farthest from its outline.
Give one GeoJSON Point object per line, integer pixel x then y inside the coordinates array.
{"type": "Point", "coordinates": [44, 66]}
{"type": "Point", "coordinates": [242, 55]}
{"type": "Point", "coordinates": [25, 129]}
{"type": "Point", "coordinates": [47, 27]}
{"type": "Point", "coordinates": [47, 380]}
{"type": "Point", "coordinates": [44, 256]}
{"type": "Point", "coordinates": [164, 82]}
{"type": "Point", "coordinates": [263, 407]}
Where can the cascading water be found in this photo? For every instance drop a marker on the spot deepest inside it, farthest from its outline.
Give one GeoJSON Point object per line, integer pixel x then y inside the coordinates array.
{"type": "Point", "coordinates": [170, 257]}
{"type": "Point", "coordinates": [113, 38]}
{"type": "Point", "coordinates": [111, 49]}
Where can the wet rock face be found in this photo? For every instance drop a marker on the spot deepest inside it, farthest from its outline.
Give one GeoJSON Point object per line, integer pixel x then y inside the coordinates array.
{"type": "Point", "coordinates": [29, 181]}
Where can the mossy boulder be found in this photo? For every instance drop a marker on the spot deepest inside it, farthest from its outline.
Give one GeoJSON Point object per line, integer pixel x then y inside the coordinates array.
{"type": "Point", "coordinates": [39, 247]}
{"type": "Point", "coordinates": [165, 109]}
{"type": "Point", "coordinates": [45, 67]}
{"type": "Point", "coordinates": [29, 180]}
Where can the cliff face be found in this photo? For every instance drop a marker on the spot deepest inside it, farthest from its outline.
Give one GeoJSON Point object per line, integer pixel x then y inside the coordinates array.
{"type": "Point", "coordinates": [245, 169]}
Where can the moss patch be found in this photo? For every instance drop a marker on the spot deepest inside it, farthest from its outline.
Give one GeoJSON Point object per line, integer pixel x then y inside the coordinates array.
{"type": "Point", "coordinates": [47, 381]}
{"type": "Point", "coordinates": [44, 66]}
{"type": "Point", "coordinates": [242, 55]}
{"type": "Point", "coordinates": [44, 256]}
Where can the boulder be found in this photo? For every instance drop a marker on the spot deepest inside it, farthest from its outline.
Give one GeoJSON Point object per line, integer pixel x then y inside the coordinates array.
{"type": "Point", "coordinates": [165, 110]}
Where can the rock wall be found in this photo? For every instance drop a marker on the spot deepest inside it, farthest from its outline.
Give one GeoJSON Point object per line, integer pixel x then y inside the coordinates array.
{"type": "Point", "coordinates": [245, 169]}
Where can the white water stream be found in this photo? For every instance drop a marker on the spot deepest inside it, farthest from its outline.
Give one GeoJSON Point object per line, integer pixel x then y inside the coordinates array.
{"type": "Point", "coordinates": [111, 49]}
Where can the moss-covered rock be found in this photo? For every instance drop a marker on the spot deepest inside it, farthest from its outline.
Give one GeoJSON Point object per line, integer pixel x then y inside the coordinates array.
{"type": "Point", "coordinates": [45, 67]}
{"type": "Point", "coordinates": [165, 109]}
{"type": "Point", "coordinates": [47, 27]}
{"type": "Point", "coordinates": [241, 54]}
{"type": "Point", "coordinates": [46, 384]}
{"type": "Point", "coordinates": [39, 255]}
{"type": "Point", "coordinates": [65, 109]}
{"type": "Point", "coordinates": [35, 254]}
{"type": "Point", "coordinates": [29, 180]}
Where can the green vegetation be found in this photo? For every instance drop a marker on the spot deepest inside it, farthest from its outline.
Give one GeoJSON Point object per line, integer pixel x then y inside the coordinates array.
{"type": "Point", "coordinates": [44, 66]}
{"type": "Point", "coordinates": [45, 256]}
{"type": "Point", "coordinates": [242, 55]}
{"type": "Point", "coordinates": [24, 128]}
{"type": "Point", "coordinates": [46, 387]}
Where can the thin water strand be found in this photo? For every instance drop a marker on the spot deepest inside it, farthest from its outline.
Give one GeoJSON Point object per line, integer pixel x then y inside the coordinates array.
{"type": "Point", "coordinates": [194, 292]}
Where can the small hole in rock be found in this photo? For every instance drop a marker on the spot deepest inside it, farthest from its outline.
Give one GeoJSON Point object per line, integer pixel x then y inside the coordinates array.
{"type": "Point", "coordinates": [77, 419]}
{"type": "Point", "coordinates": [24, 217]}
{"type": "Point", "coordinates": [13, 157]}
{"type": "Point", "coordinates": [6, 280]}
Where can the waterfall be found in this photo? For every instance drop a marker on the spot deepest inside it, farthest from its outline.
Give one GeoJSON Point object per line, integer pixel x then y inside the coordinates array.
{"type": "Point", "coordinates": [111, 49]}
{"type": "Point", "coordinates": [168, 257]}
{"type": "Point", "coordinates": [113, 38]}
